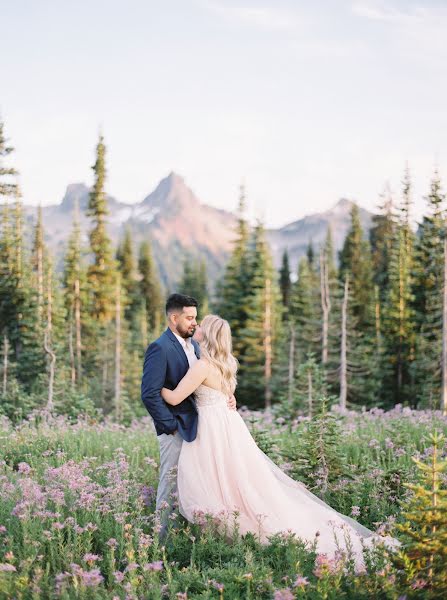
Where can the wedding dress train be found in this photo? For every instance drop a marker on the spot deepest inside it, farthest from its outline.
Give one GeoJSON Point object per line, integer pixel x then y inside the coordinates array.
{"type": "Point", "coordinates": [223, 470]}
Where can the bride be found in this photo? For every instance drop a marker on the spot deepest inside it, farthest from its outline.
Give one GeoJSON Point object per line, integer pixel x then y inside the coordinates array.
{"type": "Point", "coordinates": [223, 470]}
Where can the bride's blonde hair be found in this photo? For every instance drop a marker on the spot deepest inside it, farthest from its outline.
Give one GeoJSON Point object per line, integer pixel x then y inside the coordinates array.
{"type": "Point", "coordinates": [216, 347]}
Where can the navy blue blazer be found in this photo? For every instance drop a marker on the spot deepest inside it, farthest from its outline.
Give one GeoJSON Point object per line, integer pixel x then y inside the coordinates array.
{"type": "Point", "coordinates": [165, 364]}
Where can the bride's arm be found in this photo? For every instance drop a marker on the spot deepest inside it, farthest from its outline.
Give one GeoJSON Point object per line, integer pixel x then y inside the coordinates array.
{"type": "Point", "coordinates": [190, 382]}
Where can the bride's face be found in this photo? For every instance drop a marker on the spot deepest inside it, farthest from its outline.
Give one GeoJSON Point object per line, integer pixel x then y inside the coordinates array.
{"type": "Point", "coordinates": [198, 335]}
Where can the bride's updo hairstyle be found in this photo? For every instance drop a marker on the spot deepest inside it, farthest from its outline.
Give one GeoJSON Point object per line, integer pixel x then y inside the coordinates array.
{"type": "Point", "coordinates": [216, 347]}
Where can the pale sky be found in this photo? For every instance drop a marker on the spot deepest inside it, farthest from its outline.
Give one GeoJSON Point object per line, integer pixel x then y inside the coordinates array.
{"type": "Point", "coordinates": [305, 101]}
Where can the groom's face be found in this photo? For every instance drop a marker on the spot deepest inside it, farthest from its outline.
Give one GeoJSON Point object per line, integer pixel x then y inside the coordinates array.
{"type": "Point", "coordinates": [186, 321]}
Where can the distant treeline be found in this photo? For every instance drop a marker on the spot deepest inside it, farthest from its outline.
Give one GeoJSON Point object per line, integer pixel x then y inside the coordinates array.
{"type": "Point", "coordinates": [366, 329]}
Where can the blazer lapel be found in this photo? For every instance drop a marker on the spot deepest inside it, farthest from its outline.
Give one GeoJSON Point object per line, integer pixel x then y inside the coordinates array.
{"type": "Point", "coordinates": [196, 348]}
{"type": "Point", "coordinates": [178, 347]}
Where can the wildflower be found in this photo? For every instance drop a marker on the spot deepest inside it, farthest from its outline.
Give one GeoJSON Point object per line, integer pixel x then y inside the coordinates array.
{"type": "Point", "coordinates": [132, 566]}
{"type": "Point", "coordinates": [7, 567]}
{"type": "Point", "coordinates": [301, 581]}
{"type": "Point", "coordinates": [355, 511]}
{"type": "Point", "coordinates": [284, 594]}
{"type": "Point", "coordinates": [91, 558]}
{"type": "Point", "coordinates": [119, 576]}
{"type": "Point", "coordinates": [112, 543]}
{"type": "Point", "coordinates": [218, 586]}
{"type": "Point", "coordinates": [91, 578]}
{"type": "Point", "coordinates": [153, 566]}
{"type": "Point", "coordinates": [182, 596]}
{"type": "Point", "coordinates": [24, 468]}
{"type": "Point", "coordinates": [325, 565]}
{"type": "Point", "coordinates": [145, 540]}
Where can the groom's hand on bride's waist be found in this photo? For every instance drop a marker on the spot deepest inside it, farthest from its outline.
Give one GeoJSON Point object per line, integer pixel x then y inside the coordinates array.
{"type": "Point", "coordinates": [232, 403]}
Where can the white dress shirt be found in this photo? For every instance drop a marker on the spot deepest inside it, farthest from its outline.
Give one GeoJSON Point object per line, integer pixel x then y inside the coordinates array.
{"type": "Point", "coordinates": [188, 348]}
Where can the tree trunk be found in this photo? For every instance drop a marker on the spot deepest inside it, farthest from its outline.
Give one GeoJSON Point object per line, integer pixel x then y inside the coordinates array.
{"type": "Point", "coordinates": [40, 290]}
{"type": "Point", "coordinates": [104, 367]}
{"type": "Point", "coordinates": [444, 336]}
{"type": "Point", "coordinates": [144, 327]}
{"type": "Point", "coordinates": [343, 359]}
{"type": "Point", "coordinates": [291, 378]}
{"type": "Point", "coordinates": [309, 392]}
{"type": "Point", "coordinates": [71, 352]}
{"type": "Point", "coordinates": [47, 341]}
{"type": "Point", "coordinates": [118, 407]}
{"type": "Point", "coordinates": [377, 318]}
{"type": "Point", "coordinates": [5, 361]}
{"type": "Point", "coordinates": [325, 305]}
{"type": "Point", "coordinates": [77, 307]}
{"type": "Point", "coordinates": [268, 344]}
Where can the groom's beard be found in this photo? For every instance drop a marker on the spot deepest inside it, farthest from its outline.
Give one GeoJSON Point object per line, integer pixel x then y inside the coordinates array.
{"type": "Point", "coordinates": [188, 333]}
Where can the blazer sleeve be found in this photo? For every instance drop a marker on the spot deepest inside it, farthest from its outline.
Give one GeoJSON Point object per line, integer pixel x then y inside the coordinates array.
{"type": "Point", "coordinates": [154, 374]}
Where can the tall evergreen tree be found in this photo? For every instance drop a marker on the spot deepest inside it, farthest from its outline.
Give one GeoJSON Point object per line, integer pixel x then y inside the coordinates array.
{"type": "Point", "coordinates": [150, 290]}
{"type": "Point", "coordinates": [75, 297]}
{"type": "Point", "coordinates": [235, 288]}
{"type": "Point", "coordinates": [102, 273]}
{"type": "Point", "coordinates": [398, 313]}
{"type": "Point", "coordinates": [194, 283]}
{"type": "Point", "coordinates": [8, 185]}
{"type": "Point", "coordinates": [128, 270]}
{"type": "Point", "coordinates": [305, 310]}
{"type": "Point", "coordinates": [262, 326]}
{"type": "Point", "coordinates": [363, 366]}
{"type": "Point", "coordinates": [427, 289]}
{"type": "Point", "coordinates": [381, 237]}
{"type": "Point", "coordinates": [355, 259]}
{"type": "Point", "coordinates": [285, 282]}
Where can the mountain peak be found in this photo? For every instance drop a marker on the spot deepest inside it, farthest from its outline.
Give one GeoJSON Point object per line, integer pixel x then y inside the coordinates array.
{"type": "Point", "coordinates": [343, 204]}
{"type": "Point", "coordinates": [172, 192]}
{"type": "Point", "coordinates": [75, 191]}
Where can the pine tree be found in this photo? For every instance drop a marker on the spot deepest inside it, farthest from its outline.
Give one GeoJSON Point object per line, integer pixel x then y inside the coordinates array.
{"type": "Point", "coordinates": [305, 310]}
{"type": "Point", "coordinates": [194, 283]}
{"type": "Point", "coordinates": [317, 458]}
{"type": "Point", "coordinates": [235, 287]}
{"type": "Point", "coordinates": [355, 259]}
{"type": "Point", "coordinates": [102, 273]}
{"type": "Point", "coordinates": [128, 271]}
{"type": "Point", "coordinates": [427, 290]}
{"type": "Point", "coordinates": [38, 262]}
{"type": "Point", "coordinates": [8, 185]}
{"type": "Point", "coordinates": [423, 557]}
{"type": "Point", "coordinates": [398, 313]}
{"type": "Point", "coordinates": [75, 298]}
{"type": "Point", "coordinates": [381, 237]}
{"type": "Point", "coordinates": [363, 361]}
{"type": "Point", "coordinates": [150, 291]}
{"type": "Point", "coordinates": [285, 282]}
{"type": "Point", "coordinates": [262, 326]}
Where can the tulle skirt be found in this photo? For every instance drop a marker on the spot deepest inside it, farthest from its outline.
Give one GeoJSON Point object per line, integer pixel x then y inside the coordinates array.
{"type": "Point", "coordinates": [223, 471]}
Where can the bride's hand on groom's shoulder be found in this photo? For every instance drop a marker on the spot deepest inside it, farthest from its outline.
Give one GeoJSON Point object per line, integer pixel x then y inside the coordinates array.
{"type": "Point", "coordinates": [232, 403]}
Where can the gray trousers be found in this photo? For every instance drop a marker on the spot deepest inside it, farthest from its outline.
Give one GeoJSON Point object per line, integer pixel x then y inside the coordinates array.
{"type": "Point", "coordinates": [170, 446]}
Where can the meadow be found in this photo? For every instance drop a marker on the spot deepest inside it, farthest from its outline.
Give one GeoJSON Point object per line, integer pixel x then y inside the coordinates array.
{"type": "Point", "coordinates": [78, 520]}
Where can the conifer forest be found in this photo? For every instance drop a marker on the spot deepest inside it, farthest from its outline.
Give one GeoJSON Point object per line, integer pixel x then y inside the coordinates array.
{"type": "Point", "coordinates": [342, 382]}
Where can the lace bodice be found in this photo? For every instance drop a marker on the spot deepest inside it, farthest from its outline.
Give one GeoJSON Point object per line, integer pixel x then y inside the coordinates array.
{"type": "Point", "coordinates": [207, 396]}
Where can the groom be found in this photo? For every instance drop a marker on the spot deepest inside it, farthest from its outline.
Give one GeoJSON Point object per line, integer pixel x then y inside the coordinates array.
{"type": "Point", "coordinates": [165, 363]}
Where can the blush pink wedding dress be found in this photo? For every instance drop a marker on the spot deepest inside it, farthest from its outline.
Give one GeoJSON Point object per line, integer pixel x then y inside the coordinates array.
{"type": "Point", "coordinates": [223, 470]}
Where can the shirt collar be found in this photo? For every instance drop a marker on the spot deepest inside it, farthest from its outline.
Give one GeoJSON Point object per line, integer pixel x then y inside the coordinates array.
{"type": "Point", "coordinates": [183, 342]}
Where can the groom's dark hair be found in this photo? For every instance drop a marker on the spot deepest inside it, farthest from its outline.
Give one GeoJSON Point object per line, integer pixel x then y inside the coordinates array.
{"type": "Point", "coordinates": [177, 302]}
